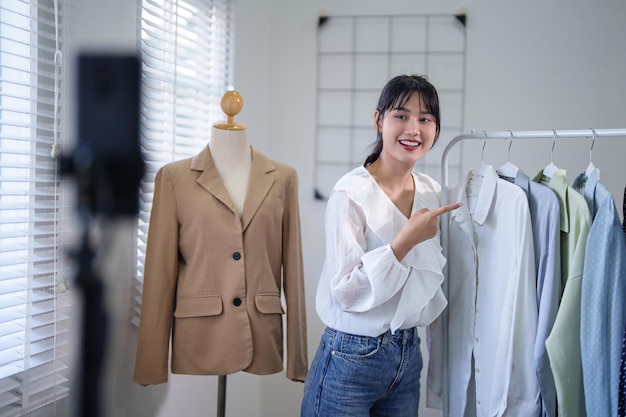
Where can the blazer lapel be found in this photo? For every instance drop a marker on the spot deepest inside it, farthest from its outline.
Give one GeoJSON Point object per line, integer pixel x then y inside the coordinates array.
{"type": "Point", "coordinates": [210, 179]}
{"type": "Point", "coordinates": [261, 180]}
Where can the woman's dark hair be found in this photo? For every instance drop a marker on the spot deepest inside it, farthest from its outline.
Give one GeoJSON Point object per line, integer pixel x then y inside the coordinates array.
{"type": "Point", "coordinates": [395, 94]}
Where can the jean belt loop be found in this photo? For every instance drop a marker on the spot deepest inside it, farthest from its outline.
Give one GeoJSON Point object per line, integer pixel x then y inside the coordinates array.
{"type": "Point", "coordinates": [383, 338]}
{"type": "Point", "coordinates": [332, 336]}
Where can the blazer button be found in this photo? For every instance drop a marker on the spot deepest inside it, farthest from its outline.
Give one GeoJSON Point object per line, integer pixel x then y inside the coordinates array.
{"type": "Point", "coordinates": [236, 256]}
{"type": "Point", "coordinates": [237, 302]}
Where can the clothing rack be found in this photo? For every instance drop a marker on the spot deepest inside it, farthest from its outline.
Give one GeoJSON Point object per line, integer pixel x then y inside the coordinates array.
{"type": "Point", "coordinates": [526, 134]}
{"type": "Point", "coordinates": [489, 135]}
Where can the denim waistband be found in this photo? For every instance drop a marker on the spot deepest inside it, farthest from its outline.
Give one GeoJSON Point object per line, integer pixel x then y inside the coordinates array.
{"type": "Point", "coordinates": [401, 335]}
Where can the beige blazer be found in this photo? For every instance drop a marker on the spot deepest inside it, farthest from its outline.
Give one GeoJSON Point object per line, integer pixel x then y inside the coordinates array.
{"type": "Point", "coordinates": [213, 280]}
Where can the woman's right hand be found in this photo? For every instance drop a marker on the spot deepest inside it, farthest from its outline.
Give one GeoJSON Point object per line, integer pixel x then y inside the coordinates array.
{"type": "Point", "coordinates": [422, 225]}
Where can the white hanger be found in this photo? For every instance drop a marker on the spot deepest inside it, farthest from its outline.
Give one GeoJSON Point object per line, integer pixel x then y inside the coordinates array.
{"type": "Point", "coordinates": [549, 170]}
{"type": "Point", "coordinates": [481, 168]}
{"type": "Point", "coordinates": [509, 169]}
{"type": "Point", "coordinates": [591, 167]}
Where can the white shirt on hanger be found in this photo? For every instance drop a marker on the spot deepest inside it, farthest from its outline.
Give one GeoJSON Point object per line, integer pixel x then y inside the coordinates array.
{"type": "Point", "coordinates": [492, 303]}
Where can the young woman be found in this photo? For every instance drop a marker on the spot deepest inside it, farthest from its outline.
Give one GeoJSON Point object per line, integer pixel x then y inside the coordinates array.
{"type": "Point", "coordinates": [383, 270]}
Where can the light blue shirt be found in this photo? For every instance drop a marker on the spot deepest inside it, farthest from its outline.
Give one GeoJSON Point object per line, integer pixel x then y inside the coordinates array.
{"type": "Point", "coordinates": [602, 303]}
{"type": "Point", "coordinates": [545, 220]}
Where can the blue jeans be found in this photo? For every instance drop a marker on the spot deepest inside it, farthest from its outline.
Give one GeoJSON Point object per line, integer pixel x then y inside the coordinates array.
{"type": "Point", "coordinates": [360, 376]}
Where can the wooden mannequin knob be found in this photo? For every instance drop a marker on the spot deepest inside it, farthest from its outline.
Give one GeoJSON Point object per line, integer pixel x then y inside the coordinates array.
{"type": "Point", "coordinates": [231, 104]}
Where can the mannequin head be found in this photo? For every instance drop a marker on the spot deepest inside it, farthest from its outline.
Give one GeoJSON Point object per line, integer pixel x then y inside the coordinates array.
{"type": "Point", "coordinates": [231, 104]}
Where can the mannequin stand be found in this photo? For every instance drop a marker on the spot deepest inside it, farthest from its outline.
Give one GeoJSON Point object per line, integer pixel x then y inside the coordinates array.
{"type": "Point", "coordinates": [229, 146]}
{"type": "Point", "coordinates": [221, 396]}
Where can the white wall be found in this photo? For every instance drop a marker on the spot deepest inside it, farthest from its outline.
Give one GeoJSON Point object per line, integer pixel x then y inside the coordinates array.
{"type": "Point", "coordinates": [556, 64]}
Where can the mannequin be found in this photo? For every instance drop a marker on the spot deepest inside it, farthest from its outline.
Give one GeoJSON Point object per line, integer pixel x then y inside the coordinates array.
{"type": "Point", "coordinates": [231, 151]}
{"type": "Point", "coordinates": [223, 265]}
{"type": "Point", "coordinates": [232, 156]}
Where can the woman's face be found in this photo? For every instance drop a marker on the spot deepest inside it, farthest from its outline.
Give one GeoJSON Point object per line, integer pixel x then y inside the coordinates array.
{"type": "Point", "coordinates": [408, 132]}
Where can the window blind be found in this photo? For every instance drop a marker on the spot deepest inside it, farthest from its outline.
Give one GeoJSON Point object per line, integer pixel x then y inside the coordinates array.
{"type": "Point", "coordinates": [34, 276]}
{"type": "Point", "coordinates": [187, 53]}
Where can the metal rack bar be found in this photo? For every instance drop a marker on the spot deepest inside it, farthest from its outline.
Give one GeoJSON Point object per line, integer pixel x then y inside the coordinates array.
{"type": "Point", "coordinates": [523, 134]}
{"type": "Point", "coordinates": [502, 134]}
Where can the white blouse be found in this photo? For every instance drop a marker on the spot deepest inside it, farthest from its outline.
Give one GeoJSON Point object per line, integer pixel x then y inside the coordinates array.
{"type": "Point", "coordinates": [363, 288]}
{"type": "Point", "coordinates": [493, 304]}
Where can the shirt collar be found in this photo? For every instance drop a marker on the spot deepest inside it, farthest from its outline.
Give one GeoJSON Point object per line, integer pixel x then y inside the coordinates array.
{"type": "Point", "coordinates": [558, 183]}
{"type": "Point", "coordinates": [378, 209]}
{"type": "Point", "coordinates": [586, 185]}
{"type": "Point", "coordinates": [486, 194]}
{"type": "Point", "coordinates": [385, 220]}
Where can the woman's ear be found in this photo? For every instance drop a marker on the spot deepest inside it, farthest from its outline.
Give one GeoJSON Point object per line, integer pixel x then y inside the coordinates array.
{"type": "Point", "coordinates": [377, 121]}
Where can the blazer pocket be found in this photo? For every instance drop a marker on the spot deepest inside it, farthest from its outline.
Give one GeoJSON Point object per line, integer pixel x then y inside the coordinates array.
{"type": "Point", "coordinates": [208, 305]}
{"type": "Point", "coordinates": [268, 303]}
